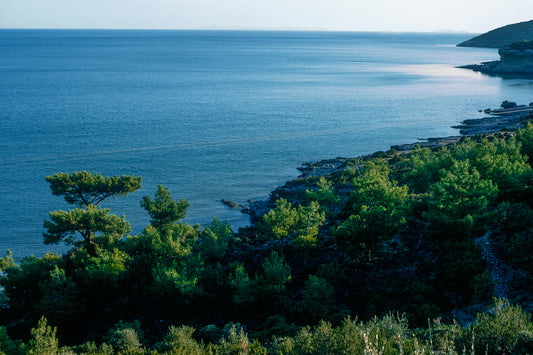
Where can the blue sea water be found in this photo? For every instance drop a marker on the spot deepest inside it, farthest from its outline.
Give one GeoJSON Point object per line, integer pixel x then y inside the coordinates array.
{"type": "Point", "coordinates": [216, 115]}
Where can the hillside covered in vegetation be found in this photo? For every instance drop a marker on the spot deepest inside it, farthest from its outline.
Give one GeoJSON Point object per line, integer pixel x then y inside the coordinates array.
{"type": "Point", "coordinates": [425, 251]}
{"type": "Point", "coordinates": [502, 36]}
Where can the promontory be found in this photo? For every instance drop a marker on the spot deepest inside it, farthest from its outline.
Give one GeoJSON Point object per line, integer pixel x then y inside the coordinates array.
{"type": "Point", "coordinates": [502, 36]}
{"type": "Point", "coordinates": [515, 43]}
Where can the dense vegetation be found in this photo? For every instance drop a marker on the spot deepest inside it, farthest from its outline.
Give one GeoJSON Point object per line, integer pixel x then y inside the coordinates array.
{"type": "Point", "coordinates": [502, 36]}
{"type": "Point", "coordinates": [522, 45]}
{"type": "Point", "coordinates": [356, 261]}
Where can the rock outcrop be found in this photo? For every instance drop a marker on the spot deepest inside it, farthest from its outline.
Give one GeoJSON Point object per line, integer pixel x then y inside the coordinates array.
{"type": "Point", "coordinates": [502, 36]}
{"type": "Point", "coordinates": [516, 58]}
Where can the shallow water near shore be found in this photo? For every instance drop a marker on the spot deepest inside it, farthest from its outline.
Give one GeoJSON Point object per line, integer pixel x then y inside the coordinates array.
{"type": "Point", "coordinates": [216, 114]}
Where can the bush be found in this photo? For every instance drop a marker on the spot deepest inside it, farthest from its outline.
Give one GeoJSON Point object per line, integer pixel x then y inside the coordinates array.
{"type": "Point", "coordinates": [179, 340]}
{"type": "Point", "coordinates": [44, 339]}
{"type": "Point", "coordinates": [501, 329]}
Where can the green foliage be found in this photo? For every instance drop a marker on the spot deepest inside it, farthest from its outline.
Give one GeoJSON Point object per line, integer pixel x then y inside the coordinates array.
{"type": "Point", "coordinates": [275, 276]}
{"type": "Point", "coordinates": [441, 338]}
{"type": "Point", "coordinates": [324, 194]}
{"type": "Point", "coordinates": [513, 218]}
{"type": "Point", "coordinates": [483, 285]}
{"type": "Point", "coordinates": [125, 340]}
{"type": "Point", "coordinates": [90, 348]}
{"type": "Point", "coordinates": [276, 325]}
{"type": "Point", "coordinates": [425, 166]}
{"type": "Point", "coordinates": [387, 232]}
{"type": "Point", "coordinates": [502, 328]}
{"type": "Point", "coordinates": [179, 340]}
{"type": "Point", "coordinates": [500, 161]}
{"type": "Point", "coordinates": [8, 346]}
{"type": "Point", "coordinates": [65, 225]}
{"type": "Point", "coordinates": [377, 206]}
{"type": "Point", "coordinates": [270, 286]}
{"type": "Point", "coordinates": [30, 286]}
{"type": "Point", "coordinates": [43, 339]}
{"type": "Point", "coordinates": [297, 225]}
{"type": "Point", "coordinates": [7, 261]}
{"type": "Point", "coordinates": [107, 268]}
{"type": "Point", "coordinates": [215, 238]}
{"type": "Point", "coordinates": [167, 247]}
{"type": "Point", "coordinates": [178, 278]}
{"type": "Point", "coordinates": [459, 199]}
{"type": "Point", "coordinates": [236, 342]}
{"type": "Point", "coordinates": [125, 336]}
{"type": "Point", "coordinates": [349, 339]}
{"type": "Point", "coordinates": [59, 295]}
{"type": "Point", "coordinates": [316, 299]}
{"type": "Point", "coordinates": [388, 335]}
{"type": "Point", "coordinates": [374, 188]}
{"type": "Point", "coordinates": [163, 210]}
{"type": "Point", "coordinates": [242, 284]}
{"type": "Point", "coordinates": [279, 222]}
{"type": "Point", "coordinates": [84, 188]}
{"type": "Point", "coordinates": [525, 137]}
{"type": "Point", "coordinates": [87, 191]}
{"type": "Point", "coordinates": [368, 229]}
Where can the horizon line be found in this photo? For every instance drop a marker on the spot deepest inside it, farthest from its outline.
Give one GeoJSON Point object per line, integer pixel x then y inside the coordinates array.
{"type": "Point", "coordinates": [250, 29]}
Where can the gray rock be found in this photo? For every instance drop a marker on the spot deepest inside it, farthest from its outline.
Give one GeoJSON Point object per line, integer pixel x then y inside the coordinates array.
{"type": "Point", "coordinates": [515, 59]}
{"type": "Point", "coordinates": [508, 104]}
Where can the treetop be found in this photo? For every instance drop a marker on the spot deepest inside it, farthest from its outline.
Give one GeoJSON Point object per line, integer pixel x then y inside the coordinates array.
{"type": "Point", "coordinates": [85, 188]}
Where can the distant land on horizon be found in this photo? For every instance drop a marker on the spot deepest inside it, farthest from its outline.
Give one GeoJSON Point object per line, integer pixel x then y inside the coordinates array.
{"type": "Point", "coordinates": [501, 36]}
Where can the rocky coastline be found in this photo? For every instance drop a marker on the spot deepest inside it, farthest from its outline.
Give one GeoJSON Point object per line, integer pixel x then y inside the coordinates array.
{"type": "Point", "coordinates": [294, 190]}
{"type": "Point", "coordinates": [515, 60]}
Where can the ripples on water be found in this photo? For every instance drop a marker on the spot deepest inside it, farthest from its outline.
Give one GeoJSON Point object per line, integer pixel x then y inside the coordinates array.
{"type": "Point", "coordinates": [216, 114]}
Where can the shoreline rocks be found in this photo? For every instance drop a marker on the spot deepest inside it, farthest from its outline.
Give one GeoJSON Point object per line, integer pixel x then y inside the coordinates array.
{"type": "Point", "coordinates": [515, 59]}
{"type": "Point", "coordinates": [294, 190]}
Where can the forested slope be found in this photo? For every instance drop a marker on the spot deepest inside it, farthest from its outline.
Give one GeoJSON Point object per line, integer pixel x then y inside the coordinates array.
{"type": "Point", "coordinates": [502, 36]}
{"type": "Point", "coordinates": [364, 255]}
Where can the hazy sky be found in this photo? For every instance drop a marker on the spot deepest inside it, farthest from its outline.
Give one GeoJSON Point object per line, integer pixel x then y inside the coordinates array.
{"type": "Point", "coordinates": [354, 15]}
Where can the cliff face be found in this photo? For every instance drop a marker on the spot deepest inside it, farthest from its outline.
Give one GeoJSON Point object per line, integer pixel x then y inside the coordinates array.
{"type": "Point", "coordinates": [501, 36]}
{"type": "Point", "coordinates": [516, 58]}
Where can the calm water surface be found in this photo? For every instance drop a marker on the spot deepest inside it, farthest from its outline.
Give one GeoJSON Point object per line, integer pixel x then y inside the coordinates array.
{"type": "Point", "coordinates": [216, 114]}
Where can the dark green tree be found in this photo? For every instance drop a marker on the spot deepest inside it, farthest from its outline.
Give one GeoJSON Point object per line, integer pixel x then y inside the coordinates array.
{"type": "Point", "coordinates": [377, 207]}
{"type": "Point", "coordinates": [86, 191]}
{"type": "Point", "coordinates": [525, 136]}
{"type": "Point", "coordinates": [44, 340]}
{"type": "Point", "coordinates": [458, 200]}
{"type": "Point", "coordinates": [299, 226]}
{"type": "Point", "coordinates": [214, 239]}
{"type": "Point", "coordinates": [84, 188]}
{"type": "Point", "coordinates": [163, 210]}
{"type": "Point", "coordinates": [86, 222]}
{"type": "Point", "coordinates": [316, 299]}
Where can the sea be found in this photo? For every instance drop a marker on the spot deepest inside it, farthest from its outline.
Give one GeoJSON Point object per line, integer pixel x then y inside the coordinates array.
{"type": "Point", "coordinates": [215, 115]}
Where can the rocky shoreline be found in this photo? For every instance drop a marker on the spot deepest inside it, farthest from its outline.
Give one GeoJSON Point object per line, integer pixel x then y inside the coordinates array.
{"type": "Point", "coordinates": [294, 190]}
{"type": "Point", "coordinates": [516, 59]}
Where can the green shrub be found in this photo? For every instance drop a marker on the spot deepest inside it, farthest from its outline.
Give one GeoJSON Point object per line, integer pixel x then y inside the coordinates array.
{"type": "Point", "coordinates": [501, 329]}
{"type": "Point", "coordinates": [179, 340]}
